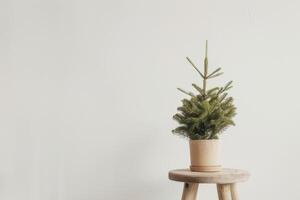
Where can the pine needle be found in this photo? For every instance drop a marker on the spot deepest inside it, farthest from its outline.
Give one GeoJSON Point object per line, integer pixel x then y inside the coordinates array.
{"type": "Point", "coordinates": [217, 70]}
{"type": "Point", "coordinates": [185, 92]}
{"type": "Point", "coordinates": [195, 67]}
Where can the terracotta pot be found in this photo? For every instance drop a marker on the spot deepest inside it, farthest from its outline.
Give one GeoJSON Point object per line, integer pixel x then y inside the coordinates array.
{"type": "Point", "coordinates": [204, 155]}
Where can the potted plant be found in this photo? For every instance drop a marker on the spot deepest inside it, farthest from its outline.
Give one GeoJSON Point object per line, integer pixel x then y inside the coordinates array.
{"type": "Point", "coordinates": [203, 117]}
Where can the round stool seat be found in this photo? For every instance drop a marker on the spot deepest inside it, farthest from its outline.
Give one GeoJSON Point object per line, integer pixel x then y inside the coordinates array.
{"type": "Point", "coordinates": [225, 176]}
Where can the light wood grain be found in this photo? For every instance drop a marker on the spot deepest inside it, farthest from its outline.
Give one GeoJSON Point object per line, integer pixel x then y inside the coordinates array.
{"type": "Point", "coordinates": [219, 191]}
{"type": "Point", "coordinates": [234, 193]}
{"type": "Point", "coordinates": [189, 191]}
{"type": "Point", "coordinates": [222, 177]}
{"type": "Point", "coordinates": [224, 192]}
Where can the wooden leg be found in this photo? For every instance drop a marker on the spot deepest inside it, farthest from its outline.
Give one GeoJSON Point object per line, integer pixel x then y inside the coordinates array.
{"type": "Point", "coordinates": [219, 191]}
{"type": "Point", "coordinates": [189, 191]}
{"type": "Point", "coordinates": [224, 191]}
{"type": "Point", "coordinates": [234, 194]}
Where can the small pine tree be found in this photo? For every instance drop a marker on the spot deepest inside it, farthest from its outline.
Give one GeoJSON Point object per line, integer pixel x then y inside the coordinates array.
{"type": "Point", "coordinates": [209, 112]}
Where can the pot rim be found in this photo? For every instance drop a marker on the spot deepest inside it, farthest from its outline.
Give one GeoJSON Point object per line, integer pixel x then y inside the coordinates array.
{"type": "Point", "coordinates": [206, 139]}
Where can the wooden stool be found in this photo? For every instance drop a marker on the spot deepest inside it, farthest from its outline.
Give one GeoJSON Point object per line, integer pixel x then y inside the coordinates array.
{"type": "Point", "coordinates": [225, 180]}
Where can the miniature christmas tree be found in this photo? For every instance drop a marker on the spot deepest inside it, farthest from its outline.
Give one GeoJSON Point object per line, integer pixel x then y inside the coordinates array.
{"type": "Point", "coordinates": [209, 112]}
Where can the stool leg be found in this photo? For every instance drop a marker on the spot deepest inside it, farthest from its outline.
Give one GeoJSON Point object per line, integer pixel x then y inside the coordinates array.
{"type": "Point", "coordinates": [234, 194]}
{"type": "Point", "coordinates": [219, 191]}
{"type": "Point", "coordinates": [224, 191]}
{"type": "Point", "coordinates": [189, 191]}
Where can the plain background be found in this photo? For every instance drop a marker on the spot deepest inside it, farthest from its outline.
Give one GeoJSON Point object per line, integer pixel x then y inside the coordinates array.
{"type": "Point", "coordinates": [88, 90]}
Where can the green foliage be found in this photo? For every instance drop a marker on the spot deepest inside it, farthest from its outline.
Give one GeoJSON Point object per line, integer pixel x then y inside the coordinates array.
{"type": "Point", "coordinates": [205, 114]}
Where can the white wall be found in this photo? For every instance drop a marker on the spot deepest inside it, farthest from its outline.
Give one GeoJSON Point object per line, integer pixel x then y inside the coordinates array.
{"type": "Point", "coordinates": [88, 92]}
